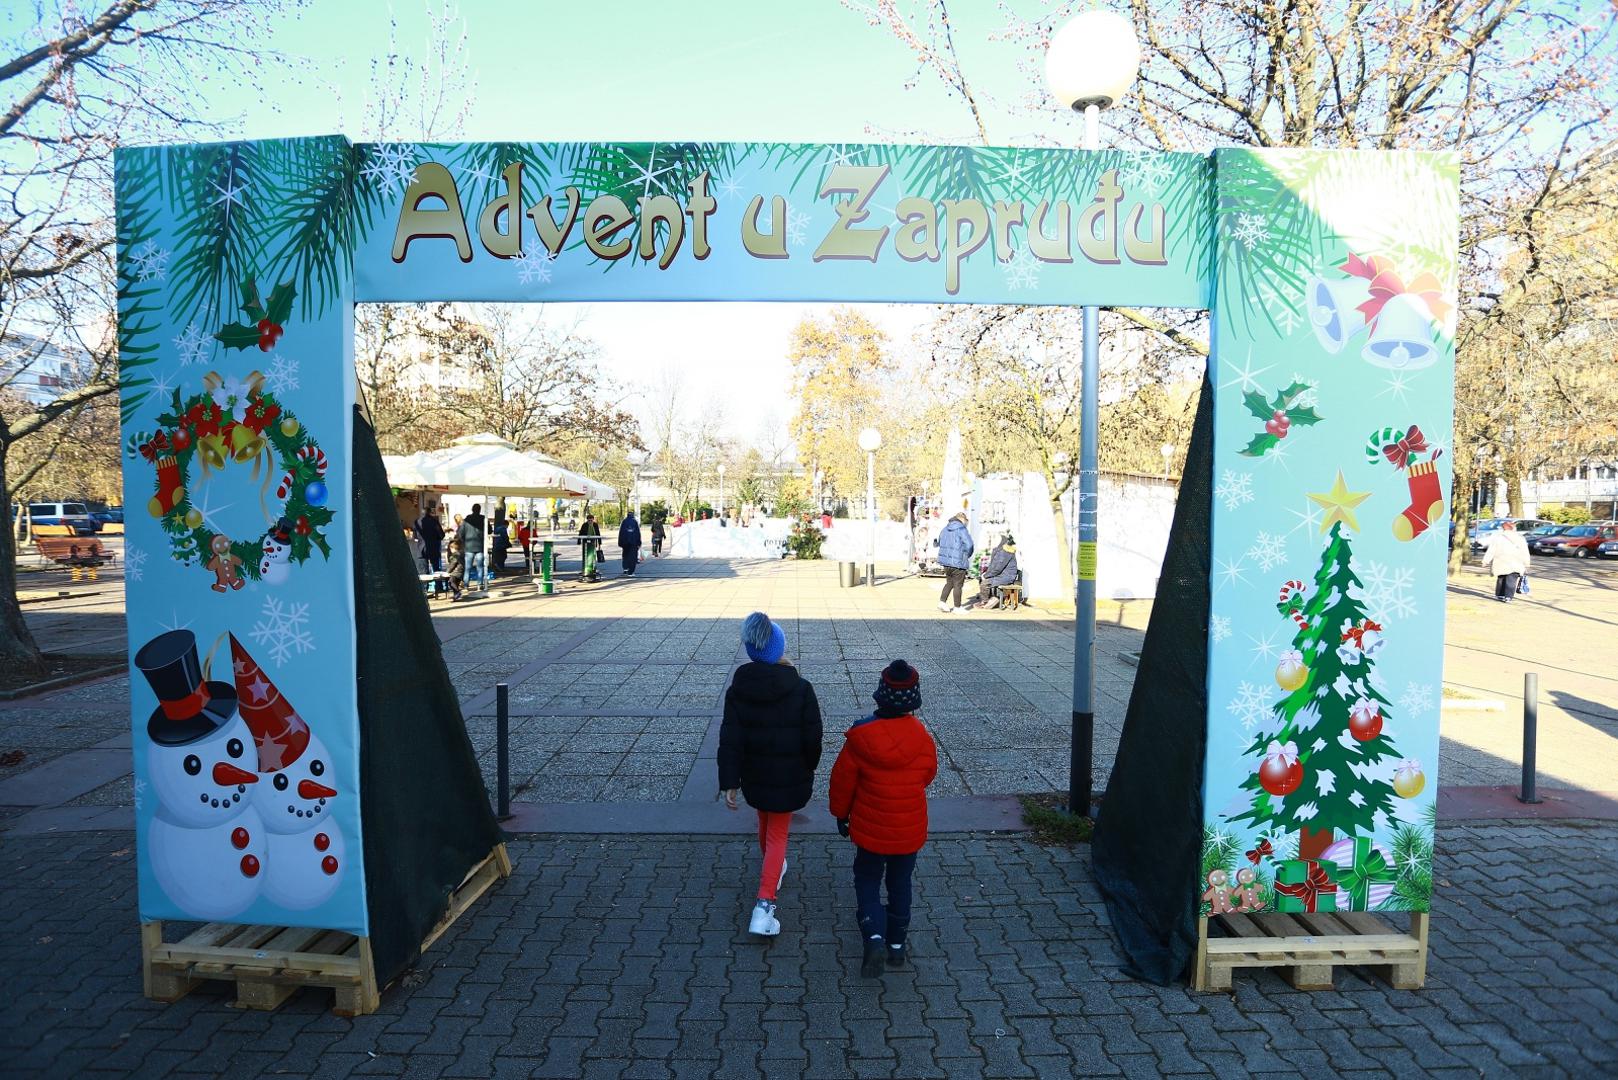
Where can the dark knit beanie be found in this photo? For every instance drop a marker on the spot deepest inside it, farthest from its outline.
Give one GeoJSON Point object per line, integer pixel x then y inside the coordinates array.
{"type": "Point", "coordinates": [899, 692]}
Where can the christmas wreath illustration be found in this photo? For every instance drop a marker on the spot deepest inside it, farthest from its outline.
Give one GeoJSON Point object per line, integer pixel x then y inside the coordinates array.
{"type": "Point", "coordinates": [238, 420]}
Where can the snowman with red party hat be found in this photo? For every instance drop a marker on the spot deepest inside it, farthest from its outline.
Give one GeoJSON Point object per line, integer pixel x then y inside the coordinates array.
{"type": "Point", "coordinates": [306, 848]}
{"type": "Point", "coordinates": [206, 843]}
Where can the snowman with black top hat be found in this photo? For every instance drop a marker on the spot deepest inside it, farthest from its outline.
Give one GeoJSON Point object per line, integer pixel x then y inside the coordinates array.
{"type": "Point", "coordinates": [206, 840]}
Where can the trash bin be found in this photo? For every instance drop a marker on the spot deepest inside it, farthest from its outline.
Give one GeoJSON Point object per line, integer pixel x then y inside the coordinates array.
{"type": "Point", "coordinates": [848, 575]}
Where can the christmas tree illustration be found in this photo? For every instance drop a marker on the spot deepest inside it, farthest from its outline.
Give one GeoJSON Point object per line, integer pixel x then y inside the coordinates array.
{"type": "Point", "coordinates": [1319, 772]}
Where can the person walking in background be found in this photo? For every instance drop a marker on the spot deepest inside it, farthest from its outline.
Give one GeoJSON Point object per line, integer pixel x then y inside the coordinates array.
{"type": "Point", "coordinates": [430, 530]}
{"type": "Point", "coordinates": [471, 533]}
{"type": "Point", "coordinates": [629, 542]}
{"type": "Point", "coordinates": [590, 547]}
{"type": "Point", "coordinates": [525, 541]}
{"type": "Point", "coordinates": [954, 555]}
{"type": "Point", "coordinates": [769, 748]}
{"type": "Point", "coordinates": [879, 798]}
{"type": "Point", "coordinates": [500, 534]}
{"type": "Point", "coordinates": [658, 533]}
{"type": "Point", "coordinates": [1505, 555]}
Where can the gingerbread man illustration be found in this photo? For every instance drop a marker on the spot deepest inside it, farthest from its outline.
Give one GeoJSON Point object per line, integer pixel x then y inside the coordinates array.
{"type": "Point", "coordinates": [224, 564]}
{"type": "Point", "coordinates": [1217, 894]}
{"type": "Point", "coordinates": [1247, 896]}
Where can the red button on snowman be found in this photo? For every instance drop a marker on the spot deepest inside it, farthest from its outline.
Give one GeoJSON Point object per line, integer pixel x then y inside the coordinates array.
{"type": "Point", "coordinates": [293, 794]}
{"type": "Point", "coordinates": [206, 842]}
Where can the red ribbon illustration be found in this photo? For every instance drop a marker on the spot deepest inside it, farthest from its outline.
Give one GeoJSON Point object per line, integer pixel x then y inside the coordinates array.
{"type": "Point", "coordinates": [154, 446]}
{"type": "Point", "coordinates": [1263, 851]}
{"type": "Point", "coordinates": [1413, 442]}
{"type": "Point", "coordinates": [1385, 284]}
{"type": "Point", "coordinates": [1308, 891]}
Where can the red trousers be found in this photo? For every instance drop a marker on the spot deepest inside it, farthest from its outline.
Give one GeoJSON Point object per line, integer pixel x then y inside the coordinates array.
{"type": "Point", "coordinates": [772, 845]}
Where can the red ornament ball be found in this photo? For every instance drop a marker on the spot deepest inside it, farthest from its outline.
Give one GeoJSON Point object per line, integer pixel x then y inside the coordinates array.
{"type": "Point", "coordinates": [329, 864]}
{"type": "Point", "coordinates": [301, 526]}
{"type": "Point", "coordinates": [1365, 726]}
{"type": "Point", "coordinates": [239, 837]}
{"type": "Point", "coordinates": [181, 439]}
{"type": "Point", "coordinates": [250, 865]}
{"type": "Point", "coordinates": [322, 841]}
{"type": "Point", "coordinates": [1278, 778]}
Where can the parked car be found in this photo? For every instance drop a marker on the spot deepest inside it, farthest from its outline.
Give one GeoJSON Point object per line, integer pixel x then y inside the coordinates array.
{"type": "Point", "coordinates": [61, 518]}
{"type": "Point", "coordinates": [110, 520]}
{"type": "Point", "coordinates": [1608, 549]}
{"type": "Point", "coordinates": [1582, 541]}
{"type": "Point", "coordinates": [1484, 528]}
{"type": "Point", "coordinates": [1544, 540]}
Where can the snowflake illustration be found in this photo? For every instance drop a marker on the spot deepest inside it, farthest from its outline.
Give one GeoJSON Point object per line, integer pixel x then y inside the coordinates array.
{"type": "Point", "coordinates": [729, 188]}
{"type": "Point", "coordinates": [140, 794]}
{"type": "Point", "coordinates": [281, 376]}
{"type": "Point", "coordinates": [1250, 230]}
{"type": "Point", "coordinates": [1219, 627]}
{"type": "Point", "coordinates": [1021, 271]}
{"type": "Point", "coordinates": [797, 227]}
{"type": "Point", "coordinates": [1284, 313]}
{"type": "Point", "coordinates": [284, 629]}
{"type": "Point", "coordinates": [1250, 705]}
{"type": "Point", "coordinates": [134, 563]}
{"type": "Point", "coordinates": [1307, 398]}
{"type": "Point", "coordinates": [1150, 172]}
{"type": "Point", "coordinates": [1387, 591]}
{"type": "Point", "coordinates": [1417, 698]}
{"type": "Point", "coordinates": [194, 345]}
{"type": "Point", "coordinates": [149, 262]}
{"type": "Point", "coordinates": [535, 267]}
{"type": "Point", "coordinates": [1234, 489]}
{"type": "Point", "coordinates": [392, 164]}
{"type": "Point", "coordinates": [1269, 550]}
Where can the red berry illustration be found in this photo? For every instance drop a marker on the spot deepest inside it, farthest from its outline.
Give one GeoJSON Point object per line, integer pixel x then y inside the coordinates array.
{"type": "Point", "coordinates": [264, 325]}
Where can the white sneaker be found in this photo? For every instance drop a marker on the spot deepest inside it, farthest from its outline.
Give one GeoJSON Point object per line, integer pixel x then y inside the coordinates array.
{"type": "Point", "coordinates": [962, 610]}
{"type": "Point", "coordinates": [764, 923]}
{"type": "Point", "coordinates": [783, 876]}
{"type": "Point", "coordinates": [944, 607]}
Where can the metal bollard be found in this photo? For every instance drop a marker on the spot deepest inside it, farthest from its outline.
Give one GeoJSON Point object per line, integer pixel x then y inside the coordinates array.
{"type": "Point", "coordinates": [502, 751]}
{"type": "Point", "coordinates": [1530, 737]}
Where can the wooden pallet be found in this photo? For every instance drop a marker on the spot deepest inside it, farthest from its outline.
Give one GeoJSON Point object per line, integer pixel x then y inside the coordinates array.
{"type": "Point", "coordinates": [269, 964]}
{"type": "Point", "coordinates": [1308, 948]}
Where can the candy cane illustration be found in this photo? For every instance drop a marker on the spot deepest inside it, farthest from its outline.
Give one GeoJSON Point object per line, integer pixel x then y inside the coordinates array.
{"type": "Point", "coordinates": [306, 454]}
{"type": "Point", "coordinates": [1292, 599]}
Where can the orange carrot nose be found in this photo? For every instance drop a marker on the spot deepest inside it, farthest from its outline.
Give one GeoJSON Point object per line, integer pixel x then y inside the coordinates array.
{"type": "Point", "coordinates": [226, 774]}
{"type": "Point", "coordinates": [308, 789]}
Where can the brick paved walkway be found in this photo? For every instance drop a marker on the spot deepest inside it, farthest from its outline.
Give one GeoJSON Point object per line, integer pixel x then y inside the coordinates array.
{"type": "Point", "coordinates": [609, 957]}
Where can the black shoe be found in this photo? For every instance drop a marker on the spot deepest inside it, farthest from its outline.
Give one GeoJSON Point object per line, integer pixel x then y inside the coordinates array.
{"type": "Point", "coordinates": [896, 956]}
{"type": "Point", "coordinates": [871, 968]}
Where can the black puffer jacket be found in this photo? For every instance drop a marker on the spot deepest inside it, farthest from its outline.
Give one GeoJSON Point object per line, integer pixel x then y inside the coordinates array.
{"type": "Point", "coordinates": [769, 743]}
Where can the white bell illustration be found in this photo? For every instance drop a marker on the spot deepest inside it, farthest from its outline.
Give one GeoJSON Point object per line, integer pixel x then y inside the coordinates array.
{"type": "Point", "coordinates": [1334, 309]}
{"type": "Point", "coordinates": [1403, 336]}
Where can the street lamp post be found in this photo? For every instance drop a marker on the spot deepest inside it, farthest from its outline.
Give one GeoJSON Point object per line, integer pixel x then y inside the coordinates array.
{"type": "Point", "coordinates": [637, 459]}
{"type": "Point", "coordinates": [721, 489]}
{"type": "Point", "coordinates": [870, 442]}
{"type": "Point", "coordinates": [1090, 64]}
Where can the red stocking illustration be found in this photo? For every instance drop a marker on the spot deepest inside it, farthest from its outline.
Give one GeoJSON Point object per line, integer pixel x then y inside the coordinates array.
{"type": "Point", "coordinates": [1426, 502]}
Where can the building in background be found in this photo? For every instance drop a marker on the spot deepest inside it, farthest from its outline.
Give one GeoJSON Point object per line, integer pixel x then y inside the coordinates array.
{"type": "Point", "coordinates": [1590, 485]}
{"type": "Point", "coordinates": [38, 370]}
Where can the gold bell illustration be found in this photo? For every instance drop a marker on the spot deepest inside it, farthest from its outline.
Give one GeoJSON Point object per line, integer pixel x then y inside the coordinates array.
{"type": "Point", "coordinates": [1402, 338]}
{"type": "Point", "coordinates": [245, 443]}
{"type": "Point", "coordinates": [1333, 308]}
{"type": "Point", "coordinates": [212, 449]}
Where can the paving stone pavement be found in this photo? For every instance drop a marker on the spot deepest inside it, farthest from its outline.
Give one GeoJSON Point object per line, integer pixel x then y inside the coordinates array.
{"type": "Point", "coordinates": [625, 957]}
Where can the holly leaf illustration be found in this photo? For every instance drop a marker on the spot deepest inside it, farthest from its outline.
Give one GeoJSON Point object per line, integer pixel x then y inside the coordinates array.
{"type": "Point", "coordinates": [237, 336]}
{"type": "Point", "coordinates": [1255, 405]}
{"type": "Point", "coordinates": [1305, 416]}
{"type": "Point", "coordinates": [1284, 398]}
{"type": "Point", "coordinates": [279, 308]}
{"type": "Point", "coordinates": [250, 300]}
{"type": "Point", "coordinates": [1259, 445]}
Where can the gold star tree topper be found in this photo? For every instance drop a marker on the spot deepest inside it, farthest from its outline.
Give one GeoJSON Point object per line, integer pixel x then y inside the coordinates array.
{"type": "Point", "coordinates": [1339, 504]}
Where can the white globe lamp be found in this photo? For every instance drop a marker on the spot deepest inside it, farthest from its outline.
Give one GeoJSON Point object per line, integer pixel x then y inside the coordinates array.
{"type": "Point", "coordinates": [1092, 60]}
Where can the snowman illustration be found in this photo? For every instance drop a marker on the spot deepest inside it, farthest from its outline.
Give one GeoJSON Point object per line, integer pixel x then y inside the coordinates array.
{"type": "Point", "coordinates": [306, 849]}
{"type": "Point", "coordinates": [276, 563]}
{"type": "Point", "coordinates": [206, 842]}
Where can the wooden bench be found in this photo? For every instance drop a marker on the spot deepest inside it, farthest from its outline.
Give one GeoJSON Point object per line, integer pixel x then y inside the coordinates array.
{"type": "Point", "coordinates": [72, 551]}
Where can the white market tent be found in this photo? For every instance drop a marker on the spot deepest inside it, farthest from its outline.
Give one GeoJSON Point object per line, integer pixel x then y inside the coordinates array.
{"type": "Point", "coordinates": [489, 465]}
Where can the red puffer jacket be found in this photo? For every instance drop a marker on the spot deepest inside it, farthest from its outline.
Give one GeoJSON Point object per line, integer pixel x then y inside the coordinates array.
{"type": "Point", "coordinates": [880, 783]}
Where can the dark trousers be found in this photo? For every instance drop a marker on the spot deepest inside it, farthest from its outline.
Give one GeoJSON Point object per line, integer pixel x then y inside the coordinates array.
{"type": "Point", "coordinates": [657, 545]}
{"type": "Point", "coordinates": [1505, 586]}
{"type": "Point", "coordinates": [434, 557]}
{"type": "Point", "coordinates": [631, 557]}
{"type": "Point", "coordinates": [876, 920]}
{"type": "Point", "coordinates": [953, 580]}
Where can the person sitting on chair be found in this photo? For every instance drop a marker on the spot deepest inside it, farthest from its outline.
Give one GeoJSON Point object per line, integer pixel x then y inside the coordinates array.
{"type": "Point", "coordinates": [1002, 570]}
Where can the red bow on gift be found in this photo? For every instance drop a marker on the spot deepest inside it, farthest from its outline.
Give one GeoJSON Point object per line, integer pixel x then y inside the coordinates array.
{"type": "Point", "coordinates": [1263, 851]}
{"type": "Point", "coordinates": [1315, 882]}
{"type": "Point", "coordinates": [1413, 442]}
{"type": "Point", "coordinates": [1386, 284]}
{"type": "Point", "coordinates": [154, 446]}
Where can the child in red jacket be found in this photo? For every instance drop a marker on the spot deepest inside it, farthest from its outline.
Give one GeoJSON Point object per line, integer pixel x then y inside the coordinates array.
{"type": "Point", "coordinates": [879, 797]}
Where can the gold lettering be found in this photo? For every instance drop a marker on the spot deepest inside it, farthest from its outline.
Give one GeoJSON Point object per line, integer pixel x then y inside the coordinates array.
{"type": "Point", "coordinates": [1005, 216]}
{"type": "Point", "coordinates": [844, 241]}
{"type": "Point", "coordinates": [959, 212]}
{"type": "Point", "coordinates": [1058, 248]}
{"type": "Point", "coordinates": [652, 210]}
{"type": "Point", "coordinates": [607, 215]}
{"type": "Point", "coordinates": [508, 244]}
{"type": "Point", "coordinates": [549, 234]}
{"type": "Point", "coordinates": [771, 245]}
{"type": "Point", "coordinates": [917, 238]}
{"type": "Point", "coordinates": [1146, 252]}
{"type": "Point", "coordinates": [1101, 245]}
{"type": "Point", "coordinates": [700, 206]}
{"type": "Point", "coordinates": [431, 181]}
